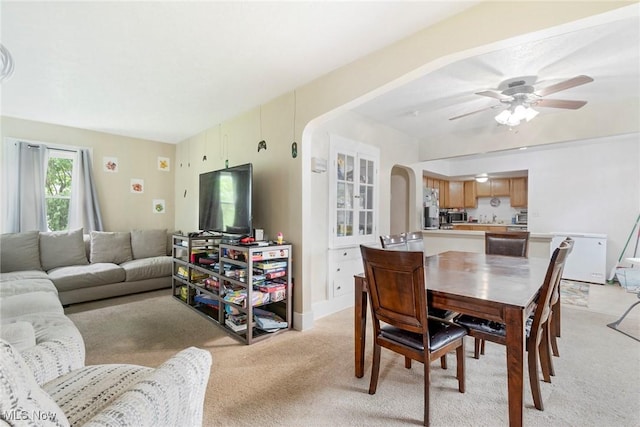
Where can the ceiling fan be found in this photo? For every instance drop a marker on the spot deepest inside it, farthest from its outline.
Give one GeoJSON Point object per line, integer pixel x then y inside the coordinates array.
{"type": "Point", "coordinates": [519, 95]}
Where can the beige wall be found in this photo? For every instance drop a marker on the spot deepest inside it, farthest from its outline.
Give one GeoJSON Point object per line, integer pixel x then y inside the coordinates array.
{"type": "Point", "coordinates": [137, 158]}
{"type": "Point", "coordinates": [290, 197]}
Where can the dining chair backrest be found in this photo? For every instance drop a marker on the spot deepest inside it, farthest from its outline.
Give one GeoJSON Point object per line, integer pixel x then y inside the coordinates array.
{"type": "Point", "coordinates": [396, 288]}
{"type": "Point", "coordinates": [510, 243]}
{"type": "Point", "coordinates": [550, 285]}
{"type": "Point", "coordinates": [415, 241]}
{"type": "Point", "coordinates": [395, 242]}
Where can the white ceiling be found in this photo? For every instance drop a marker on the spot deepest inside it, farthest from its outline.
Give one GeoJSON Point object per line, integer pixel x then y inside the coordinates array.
{"type": "Point", "coordinates": [166, 71]}
{"type": "Point", "coordinates": [607, 52]}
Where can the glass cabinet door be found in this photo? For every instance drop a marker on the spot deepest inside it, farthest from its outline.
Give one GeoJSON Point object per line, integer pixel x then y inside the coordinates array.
{"type": "Point", "coordinates": [365, 197]}
{"type": "Point", "coordinates": [353, 197]}
{"type": "Point", "coordinates": [345, 186]}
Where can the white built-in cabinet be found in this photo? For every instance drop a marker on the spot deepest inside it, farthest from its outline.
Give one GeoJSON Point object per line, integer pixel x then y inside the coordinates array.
{"type": "Point", "coordinates": [353, 209]}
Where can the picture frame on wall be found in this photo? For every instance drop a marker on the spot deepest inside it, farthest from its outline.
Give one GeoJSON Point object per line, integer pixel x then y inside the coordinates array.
{"type": "Point", "coordinates": [136, 185]}
{"type": "Point", "coordinates": [164, 164]}
{"type": "Point", "coordinates": [110, 164]}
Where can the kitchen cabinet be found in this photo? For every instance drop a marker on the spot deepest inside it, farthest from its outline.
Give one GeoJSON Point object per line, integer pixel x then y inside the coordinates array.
{"type": "Point", "coordinates": [455, 197]}
{"type": "Point", "coordinates": [496, 187]}
{"type": "Point", "coordinates": [518, 192]}
{"type": "Point", "coordinates": [470, 197]}
{"type": "Point", "coordinates": [500, 187]}
{"type": "Point", "coordinates": [444, 193]}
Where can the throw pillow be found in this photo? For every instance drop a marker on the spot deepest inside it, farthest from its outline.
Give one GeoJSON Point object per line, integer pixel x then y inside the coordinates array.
{"type": "Point", "coordinates": [148, 243]}
{"type": "Point", "coordinates": [62, 249]}
{"type": "Point", "coordinates": [20, 335]}
{"type": "Point", "coordinates": [109, 246]}
{"type": "Point", "coordinates": [20, 251]}
{"type": "Point", "coordinates": [20, 395]}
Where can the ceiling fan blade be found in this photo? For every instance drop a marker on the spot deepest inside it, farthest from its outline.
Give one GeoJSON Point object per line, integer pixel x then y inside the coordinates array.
{"type": "Point", "coordinates": [474, 112]}
{"type": "Point", "coordinates": [560, 103]}
{"type": "Point", "coordinates": [493, 94]}
{"type": "Point", "coordinates": [567, 84]}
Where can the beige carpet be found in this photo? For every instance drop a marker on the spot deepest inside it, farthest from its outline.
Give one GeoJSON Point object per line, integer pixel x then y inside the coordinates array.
{"type": "Point", "coordinates": [306, 378]}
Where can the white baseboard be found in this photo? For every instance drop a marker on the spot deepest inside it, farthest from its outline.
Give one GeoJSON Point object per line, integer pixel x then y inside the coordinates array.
{"type": "Point", "coordinates": [334, 305]}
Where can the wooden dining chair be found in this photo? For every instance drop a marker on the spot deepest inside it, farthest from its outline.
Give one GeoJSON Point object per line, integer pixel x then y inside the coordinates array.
{"type": "Point", "coordinates": [554, 318]}
{"type": "Point", "coordinates": [398, 299]}
{"type": "Point", "coordinates": [395, 242]}
{"type": "Point", "coordinates": [414, 240]}
{"type": "Point", "coordinates": [510, 243]}
{"type": "Point", "coordinates": [537, 327]}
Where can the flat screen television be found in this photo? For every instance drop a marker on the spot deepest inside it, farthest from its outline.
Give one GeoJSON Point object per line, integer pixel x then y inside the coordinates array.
{"type": "Point", "coordinates": [225, 200]}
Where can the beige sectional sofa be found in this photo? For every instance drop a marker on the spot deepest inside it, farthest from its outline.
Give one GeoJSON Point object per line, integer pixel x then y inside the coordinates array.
{"type": "Point", "coordinates": [43, 377]}
{"type": "Point", "coordinates": [88, 267]}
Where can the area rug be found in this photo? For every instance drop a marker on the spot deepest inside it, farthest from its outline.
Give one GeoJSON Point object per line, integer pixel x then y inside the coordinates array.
{"type": "Point", "coordinates": [574, 293]}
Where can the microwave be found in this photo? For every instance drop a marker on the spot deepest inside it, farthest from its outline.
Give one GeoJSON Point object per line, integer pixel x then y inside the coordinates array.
{"type": "Point", "coordinates": [521, 218]}
{"type": "Point", "coordinates": [453, 217]}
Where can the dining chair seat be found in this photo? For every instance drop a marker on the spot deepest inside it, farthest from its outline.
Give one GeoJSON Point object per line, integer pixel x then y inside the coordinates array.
{"type": "Point", "coordinates": [440, 334]}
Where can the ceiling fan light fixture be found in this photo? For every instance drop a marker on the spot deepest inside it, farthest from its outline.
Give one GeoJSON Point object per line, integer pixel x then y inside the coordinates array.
{"type": "Point", "coordinates": [513, 116]}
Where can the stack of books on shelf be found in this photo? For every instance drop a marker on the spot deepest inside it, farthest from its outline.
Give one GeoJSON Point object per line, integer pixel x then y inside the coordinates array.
{"type": "Point", "coordinates": [269, 270]}
{"type": "Point", "coordinates": [240, 297]}
{"type": "Point", "coordinates": [237, 322]}
{"type": "Point", "coordinates": [183, 272]}
{"type": "Point", "coordinates": [206, 300]}
{"type": "Point", "coordinates": [268, 321]}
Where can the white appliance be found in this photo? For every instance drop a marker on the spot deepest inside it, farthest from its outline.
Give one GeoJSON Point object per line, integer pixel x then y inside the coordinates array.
{"type": "Point", "coordinates": [431, 209]}
{"type": "Point", "coordinates": [587, 262]}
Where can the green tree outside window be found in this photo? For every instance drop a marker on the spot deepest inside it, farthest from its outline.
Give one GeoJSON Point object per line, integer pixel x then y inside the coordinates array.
{"type": "Point", "coordinates": [58, 192]}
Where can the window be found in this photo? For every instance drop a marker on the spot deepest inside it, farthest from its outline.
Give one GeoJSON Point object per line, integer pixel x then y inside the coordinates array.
{"type": "Point", "coordinates": [58, 189]}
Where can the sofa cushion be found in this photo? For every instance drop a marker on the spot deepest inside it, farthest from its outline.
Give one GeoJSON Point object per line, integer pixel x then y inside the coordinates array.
{"type": "Point", "coordinates": [109, 246]}
{"type": "Point", "coordinates": [62, 248]}
{"type": "Point", "coordinates": [148, 243]}
{"type": "Point", "coordinates": [23, 275]}
{"type": "Point", "coordinates": [147, 268]}
{"type": "Point", "coordinates": [21, 395]}
{"type": "Point", "coordinates": [33, 302]}
{"type": "Point", "coordinates": [59, 346]}
{"type": "Point", "coordinates": [86, 276]}
{"type": "Point", "coordinates": [19, 334]}
{"type": "Point", "coordinates": [84, 393]}
{"type": "Point", "coordinates": [20, 251]}
{"type": "Point", "coordinates": [25, 286]}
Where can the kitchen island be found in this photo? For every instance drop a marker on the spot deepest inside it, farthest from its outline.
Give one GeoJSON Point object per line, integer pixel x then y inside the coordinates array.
{"type": "Point", "coordinates": [437, 241]}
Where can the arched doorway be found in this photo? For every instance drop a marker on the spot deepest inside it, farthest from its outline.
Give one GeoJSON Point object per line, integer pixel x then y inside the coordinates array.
{"type": "Point", "coordinates": [401, 197]}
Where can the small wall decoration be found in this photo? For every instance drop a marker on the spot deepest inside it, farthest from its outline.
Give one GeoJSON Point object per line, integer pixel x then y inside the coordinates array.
{"type": "Point", "coordinates": [137, 185]}
{"type": "Point", "coordinates": [110, 164]}
{"type": "Point", "coordinates": [164, 164]}
{"type": "Point", "coordinates": [158, 206]}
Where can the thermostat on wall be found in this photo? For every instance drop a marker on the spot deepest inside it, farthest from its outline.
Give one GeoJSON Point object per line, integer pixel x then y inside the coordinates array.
{"type": "Point", "coordinates": [318, 165]}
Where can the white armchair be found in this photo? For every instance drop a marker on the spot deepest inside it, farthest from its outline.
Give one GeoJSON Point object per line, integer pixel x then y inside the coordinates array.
{"type": "Point", "coordinates": [107, 395]}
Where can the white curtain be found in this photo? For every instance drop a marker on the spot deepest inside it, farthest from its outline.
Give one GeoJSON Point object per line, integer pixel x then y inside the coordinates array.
{"type": "Point", "coordinates": [84, 209]}
{"type": "Point", "coordinates": [25, 172]}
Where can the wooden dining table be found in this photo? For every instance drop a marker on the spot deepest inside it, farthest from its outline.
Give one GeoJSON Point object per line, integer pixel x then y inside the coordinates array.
{"type": "Point", "coordinates": [493, 287]}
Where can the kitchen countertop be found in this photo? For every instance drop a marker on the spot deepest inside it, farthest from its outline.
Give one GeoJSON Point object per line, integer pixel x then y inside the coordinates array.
{"type": "Point", "coordinates": [474, 233]}
{"type": "Point", "coordinates": [492, 224]}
